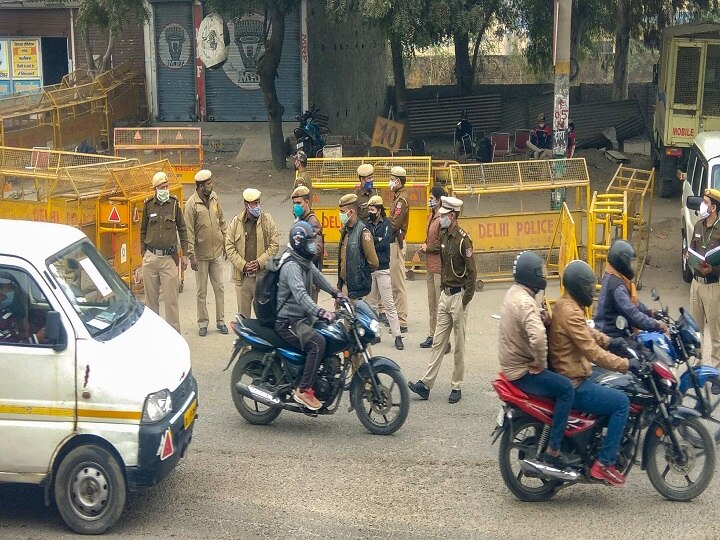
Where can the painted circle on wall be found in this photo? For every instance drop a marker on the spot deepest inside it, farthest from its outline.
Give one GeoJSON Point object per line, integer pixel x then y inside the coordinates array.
{"type": "Point", "coordinates": [174, 46]}
{"type": "Point", "coordinates": [247, 43]}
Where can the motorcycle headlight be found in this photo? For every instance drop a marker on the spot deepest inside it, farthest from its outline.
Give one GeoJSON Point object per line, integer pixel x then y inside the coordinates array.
{"type": "Point", "coordinates": [375, 326]}
{"type": "Point", "coordinates": [157, 406]}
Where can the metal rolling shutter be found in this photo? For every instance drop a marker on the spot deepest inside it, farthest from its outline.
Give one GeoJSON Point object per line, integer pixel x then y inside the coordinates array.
{"type": "Point", "coordinates": [233, 93]}
{"type": "Point", "coordinates": [175, 45]}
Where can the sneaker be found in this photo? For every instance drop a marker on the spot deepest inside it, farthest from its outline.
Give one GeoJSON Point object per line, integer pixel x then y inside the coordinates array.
{"type": "Point", "coordinates": [222, 328]}
{"type": "Point", "coordinates": [384, 319]}
{"type": "Point", "coordinates": [427, 343]}
{"type": "Point", "coordinates": [559, 462]}
{"type": "Point", "coordinates": [203, 331]}
{"type": "Point", "coordinates": [448, 348]}
{"type": "Point", "coordinates": [399, 344]}
{"type": "Point", "coordinates": [420, 389]}
{"type": "Point", "coordinates": [607, 473]}
{"type": "Point", "coordinates": [403, 329]}
{"type": "Point", "coordinates": [307, 398]}
{"type": "Point", "coordinates": [455, 396]}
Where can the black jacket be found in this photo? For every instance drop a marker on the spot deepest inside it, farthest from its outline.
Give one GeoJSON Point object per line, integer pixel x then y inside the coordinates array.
{"type": "Point", "coordinates": [382, 235]}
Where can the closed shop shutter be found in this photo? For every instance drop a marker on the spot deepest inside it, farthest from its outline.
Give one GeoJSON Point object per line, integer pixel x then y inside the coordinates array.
{"type": "Point", "coordinates": [175, 45]}
{"type": "Point", "coordinates": [233, 91]}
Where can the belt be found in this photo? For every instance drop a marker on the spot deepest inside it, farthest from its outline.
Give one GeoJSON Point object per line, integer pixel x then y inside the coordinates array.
{"type": "Point", "coordinates": [452, 290]}
{"type": "Point", "coordinates": [707, 280]}
{"type": "Point", "coordinates": [249, 274]}
{"type": "Point", "coordinates": [160, 252]}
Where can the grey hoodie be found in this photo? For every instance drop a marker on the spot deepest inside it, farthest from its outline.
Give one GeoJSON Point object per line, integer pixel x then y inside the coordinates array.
{"type": "Point", "coordinates": [294, 286]}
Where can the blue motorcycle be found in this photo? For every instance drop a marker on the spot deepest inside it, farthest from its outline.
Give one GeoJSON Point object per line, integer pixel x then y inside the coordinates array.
{"type": "Point", "coordinates": [309, 135]}
{"type": "Point", "coordinates": [268, 369]}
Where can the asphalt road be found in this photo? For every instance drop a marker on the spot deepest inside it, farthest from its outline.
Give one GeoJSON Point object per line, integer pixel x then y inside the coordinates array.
{"type": "Point", "coordinates": [437, 477]}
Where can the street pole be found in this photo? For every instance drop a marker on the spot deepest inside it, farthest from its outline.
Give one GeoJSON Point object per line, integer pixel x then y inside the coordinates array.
{"type": "Point", "coordinates": [561, 108]}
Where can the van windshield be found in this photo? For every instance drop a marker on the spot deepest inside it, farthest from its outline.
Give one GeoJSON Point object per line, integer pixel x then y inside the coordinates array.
{"type": "Point", "coordinates": [101, 299]}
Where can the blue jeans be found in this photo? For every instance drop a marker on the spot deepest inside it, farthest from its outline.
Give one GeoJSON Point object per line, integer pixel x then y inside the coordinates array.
{"type": "Point", "coordinates": [553, 385]}
{"type": "Point", "coordinates": [603, 401]}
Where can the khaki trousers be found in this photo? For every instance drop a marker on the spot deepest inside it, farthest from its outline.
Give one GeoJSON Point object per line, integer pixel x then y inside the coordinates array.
{"type": "Point", "coordinates": [245, 292]}
{"type": "Point", "coordinates": [214, 270]}
{"type": "Point", "coordinates": [433, 290]}
{"type": "Point", "coordinates": [397, 276]}
{"type": "Point", "coordinates": [705, 309]}
{"type": "Point", "coordinates": [161, 271]}
{"type": "Point", "coordinates": [381, 287]}
{"type": "Point", "coordinates": [451, 316]}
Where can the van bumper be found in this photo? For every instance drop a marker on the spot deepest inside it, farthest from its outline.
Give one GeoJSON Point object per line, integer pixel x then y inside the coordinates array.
{"type": "Point", "coordinates": [158, 456]}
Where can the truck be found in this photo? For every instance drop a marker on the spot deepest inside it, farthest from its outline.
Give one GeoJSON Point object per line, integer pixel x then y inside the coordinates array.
{"type": "Point", "coordinates": [687, 80]}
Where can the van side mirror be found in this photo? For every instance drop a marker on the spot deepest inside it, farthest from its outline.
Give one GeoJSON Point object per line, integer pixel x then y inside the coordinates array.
{"type": "Point", "coordinates": [693, 203]}
{"type": "Point", "coordinates": [656, 72]}
{"type": "Point", "coordinates": [54, 334]}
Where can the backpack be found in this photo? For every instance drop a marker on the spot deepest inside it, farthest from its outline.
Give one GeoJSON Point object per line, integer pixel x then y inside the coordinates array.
{"type": "Point", "coordinates": [266, 290]}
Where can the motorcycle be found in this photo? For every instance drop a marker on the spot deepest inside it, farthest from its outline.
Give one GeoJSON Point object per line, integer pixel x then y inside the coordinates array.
{"type": "Point", "coordinates": [267, 371]}
{"type": "Point", "coordinates": [309, 135]}
{"type": "Point", "coordinates": [677, 450]}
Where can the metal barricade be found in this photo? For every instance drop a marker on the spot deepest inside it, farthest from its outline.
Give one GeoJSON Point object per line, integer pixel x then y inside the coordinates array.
{"type": "Point", "coordinates": [182, 147]}
{"type": "Point", "coordinates": [508, 208]}
{"type": "Point", "coordinates": [607, 221]}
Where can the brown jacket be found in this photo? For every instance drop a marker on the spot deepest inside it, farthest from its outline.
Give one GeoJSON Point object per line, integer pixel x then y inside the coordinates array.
{"type": "Point", "coordinates": [205, 227]}
{"type": "Point", "coordinates": [432, 250]}
{"type": "Point", "coordinates": [400, 215]}
{"type": "Point", "coordinates": [522, 341]}
{"type": "Point", "coordinates": [268, 242]}
{"type": "Point", "coordinates": [574, 345]}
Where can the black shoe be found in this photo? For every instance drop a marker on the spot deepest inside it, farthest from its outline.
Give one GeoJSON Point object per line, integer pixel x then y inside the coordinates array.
{"type": "Point", "coordinates": [420, 389]}
{"type": "Point", "coordinates": [559, 462]}
{"type": "Point", "coordinates": [203, 331]}
{"type": "Point", "coordinates": [427, 343]}
{"type": "Point", "coordinates": [447, 349]}
{"type": "Point", "coordinates": [376, 341]}
{"type": "Point", "coordinates": [403, 329]}
{"type": "Point", "coordinates": [384, 319]}
{"type": "Point", "coordinates": [455, 396]}
{"type": "Point", "coordinates": [399, 344]}
{"type": "Point", "coordinates": [222, 328]}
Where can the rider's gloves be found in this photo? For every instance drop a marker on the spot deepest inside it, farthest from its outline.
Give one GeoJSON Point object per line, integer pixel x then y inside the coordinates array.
{"type": "Point", "coordinates": [618, 346]}
{"type": "Point", "coordinates": [634, 365]}
{"type": "Point", "coordinates": [329, 316]}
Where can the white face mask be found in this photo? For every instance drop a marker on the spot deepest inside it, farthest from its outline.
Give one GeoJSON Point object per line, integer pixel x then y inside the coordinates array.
{"type": "Point", "coordinates": [444, 222]}
{"type": "Point", "coordinates": [704, 210]}
{"type": "Point", "coordinates": [163, 195]}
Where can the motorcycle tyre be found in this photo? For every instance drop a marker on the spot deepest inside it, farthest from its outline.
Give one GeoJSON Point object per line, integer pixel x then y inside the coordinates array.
{"type": "Point", "coordinates": [364, 417]}
{"type": "Point", "coordinates": [247, 361]}
{"type": "Point", "coordinates": [656, 476]}
{"type": "Point", "coordinates": [547, 490]}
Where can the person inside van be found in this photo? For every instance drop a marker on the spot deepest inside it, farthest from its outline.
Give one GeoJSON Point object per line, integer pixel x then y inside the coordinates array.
{"type": "Point", "coordinates": [14, 320]}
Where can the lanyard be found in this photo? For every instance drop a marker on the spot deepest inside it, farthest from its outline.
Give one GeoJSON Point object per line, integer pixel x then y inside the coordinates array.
{"type": "Point", "coordinates": [712, 228]}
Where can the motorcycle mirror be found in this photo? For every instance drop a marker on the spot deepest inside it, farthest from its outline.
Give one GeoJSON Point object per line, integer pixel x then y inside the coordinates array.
{"type": "Point", "coordinates": [621, 323]}
{"type": "Point", "coordinates": [654, 294]}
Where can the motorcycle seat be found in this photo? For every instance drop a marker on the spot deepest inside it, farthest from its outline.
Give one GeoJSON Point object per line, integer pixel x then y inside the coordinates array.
{"type": "Point", "coordinates": [269, 335]}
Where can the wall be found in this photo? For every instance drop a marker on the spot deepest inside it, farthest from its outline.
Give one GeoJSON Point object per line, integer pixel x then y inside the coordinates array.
{"type": "Point", "coordinates": [128, 46]}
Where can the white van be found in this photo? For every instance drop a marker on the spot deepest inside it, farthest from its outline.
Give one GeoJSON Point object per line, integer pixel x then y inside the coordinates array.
{"type": "Point", "coordinates": [97, 396]}
{"type": "Point", "coordinates": [703, 172]}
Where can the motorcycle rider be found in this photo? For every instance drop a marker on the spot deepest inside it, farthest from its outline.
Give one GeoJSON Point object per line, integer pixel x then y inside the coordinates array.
{"type": "Point", "coordinates": [296, 310]}
{"type": "Point", "coordinates": [573, 346]}
{"type": "Point", "coordinates": [618, 295]}
{"type": "Point", "coordinates": [523, 349]}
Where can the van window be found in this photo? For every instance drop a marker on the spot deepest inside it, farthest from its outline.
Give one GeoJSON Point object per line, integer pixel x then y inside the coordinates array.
{"type": "Point", "coordinates": [711, 87]}
{"type": "Point", "coordinates": [23, 308]}
{"type": "Point", "coordinates": [715, 177]}
{"type": "Point", "coordinates": [687, 75]}
{"type": "Point", "coordinates": [698, 177]}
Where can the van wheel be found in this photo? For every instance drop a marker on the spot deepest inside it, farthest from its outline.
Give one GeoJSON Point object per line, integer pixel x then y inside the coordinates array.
{"type": "Point", "coordinates": [668, 177]}
{"type": "Point", "coordinates": [687, 273]}
{"type": "Point", "coordinates": [90, 490]}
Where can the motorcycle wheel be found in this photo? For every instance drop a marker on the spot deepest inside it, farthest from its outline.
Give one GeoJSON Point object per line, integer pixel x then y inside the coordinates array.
{"type": "Point", "coordinates": [681, 481]}
{"type": "Point", "coordinates": [388, 415]}
{"type": "Point", "coordinates": [519, 442]}
{"type": "Point", "coordinates": [248, 369]}
{"type": "Point", "coordinates": [710, 392]}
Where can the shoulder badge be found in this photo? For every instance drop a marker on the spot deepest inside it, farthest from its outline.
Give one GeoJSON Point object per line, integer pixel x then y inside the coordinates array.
{"type": "Point", "coordinates": [367, 237]}
{"type": "Point", "coordinates": [468, 252]}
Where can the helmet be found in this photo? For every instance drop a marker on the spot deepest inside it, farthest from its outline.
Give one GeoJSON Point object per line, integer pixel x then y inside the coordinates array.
{"type": "Point", "coordinates": [301, 236]}
{"type": "Point", "coordinates": [528, 271]}
{"type": "Point", "coordinates": [580, 281]}
{"type": "Point", "coordinates": [621, 257]}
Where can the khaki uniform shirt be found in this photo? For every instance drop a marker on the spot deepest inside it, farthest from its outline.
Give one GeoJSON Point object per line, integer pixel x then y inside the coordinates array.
{"type": "Point", "coordinates": [205, 227]}
{"type": "Point", "coordinates": [432, 242]}
{"type": "Point", "coordinates": [267, 243]}
{"type": "Point", "coordinates": [312, 219]}
{"type": "Point", "coordinates": [250, 226]}
{"type": "Point", "coordinates": [161, 224]}
{"type": "Point", "coordinates": [400, 214]}
{"type": "Point", "coordinates": [457, 262]}
{"type": "Point", "coordinates": [368, 245]}
{"type": "Point", "coordinates": [705, 238]}
{"type": "Point", "coordinates": [522, 342]}
{"type": "Point", "coordinates": [303, 179]}
{"type": "Point", "coordinates": [363, 196]}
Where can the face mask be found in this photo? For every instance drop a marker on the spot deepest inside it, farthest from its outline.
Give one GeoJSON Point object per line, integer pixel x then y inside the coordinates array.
{"type": "Point", "coordinates": [255, 212]}
{"type": "Point", "coordinates": [9, 297]}
{"type": "Point", "coordinates": [207, 190]}
{"type": "Point", "coordinates": [704, 210]}
{"type": "Point", "coordinates": [163, 195]}
{"type": "Point", "coordinates": [312, 248]}
{"type": "Point", "coordinates": [344, 219]}
{"type": "Point", "coordinates": [372, 214]}
{"type": "Point", "coordinates": [368, 185]}
{"type": "Point", "coordinates": [432, 204]}
{"type": "Point", "coordinates": [444, 222]}
{"type": "Point", "coordinates": [393, 185]}
{"type": "Point", "coordinates": [298, 210]}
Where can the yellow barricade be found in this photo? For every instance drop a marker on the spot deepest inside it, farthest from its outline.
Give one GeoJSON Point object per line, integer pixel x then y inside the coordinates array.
{"type": "Point", "coordinates": [182, 147]}
{"type": "Point", "coordinates": [510, 207]}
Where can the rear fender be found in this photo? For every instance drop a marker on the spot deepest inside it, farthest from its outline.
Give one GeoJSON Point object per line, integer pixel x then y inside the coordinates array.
{"type": "Point", "coordinates": [704, 374]}
{"type": "Point", "coordinates": [677, 414]}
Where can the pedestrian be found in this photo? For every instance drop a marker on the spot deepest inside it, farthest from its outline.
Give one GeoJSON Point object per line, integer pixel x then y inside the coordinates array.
{"type": "Point", "coordinates": [457, 289]}
{"type": "Point", "coordinates": [301, 210]}
{"type": "Point", "coordinates": [206, 248]}
{"type": "Point", "coordinates": [357, 258]}
{"type": "Point", "coordinates": [704, 289]}
{"type": "Point", "coordinates": [541, 139]}
{"type": "Point", "coordinates": [251, 240]}
{"type": "Point", "coordinates": [366, 190]}
{"type": "Point", "coordinates": [302, 175]}
{"type": "Point", "coordinates": [381, 229]}
{"type": "Point", "coordinates": [162, 222]}
{"type": "Point", "coordinates": [400, 219]}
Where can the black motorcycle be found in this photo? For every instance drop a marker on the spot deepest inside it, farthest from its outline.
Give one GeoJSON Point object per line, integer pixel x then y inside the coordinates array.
{"type": "Point", "coordinates": [268, 370]}
{"type": "Point", "coordinates": [309, 135]}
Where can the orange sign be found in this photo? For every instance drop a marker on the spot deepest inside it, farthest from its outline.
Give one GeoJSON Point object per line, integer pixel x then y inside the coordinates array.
{"type": "Point", "coordinates": [387, 133]}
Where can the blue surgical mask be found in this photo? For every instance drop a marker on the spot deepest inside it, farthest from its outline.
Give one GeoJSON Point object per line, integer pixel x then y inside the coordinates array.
{"type": "Point", "coordinates": [298, 210]}
{"type": "Point", "coordinates": [368, 185]}
{"type": "Point", "coordinates": [8, 300]}
{"type": "Point", "coordinates": [312, 248]}
{"type": "Point", "coordinates": [255, 212]}
{"type": "Point", "coordinates": [163, 195]}
{"type": "Point", "coordinates": [344, 219]}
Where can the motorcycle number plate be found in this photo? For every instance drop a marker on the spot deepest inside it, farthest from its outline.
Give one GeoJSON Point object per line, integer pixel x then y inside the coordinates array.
{"type": "Point", "coordinates": [500, 417]}
{"type": "Point", "coordinates": [300, 144]}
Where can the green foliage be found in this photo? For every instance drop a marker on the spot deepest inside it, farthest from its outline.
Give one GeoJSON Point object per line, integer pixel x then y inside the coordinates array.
{"type": "Point", "coordinates": [237, 8]}
{"type": "Point", "coordinates": [110, 15]}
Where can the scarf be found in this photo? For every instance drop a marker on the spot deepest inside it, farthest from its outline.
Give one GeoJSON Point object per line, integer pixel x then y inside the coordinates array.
{"type": "Point", "coordinates": [629, 284]}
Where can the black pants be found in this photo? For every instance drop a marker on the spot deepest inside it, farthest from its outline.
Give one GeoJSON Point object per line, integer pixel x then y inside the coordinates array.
{"type": "Point", "coordinates": [299, 334]}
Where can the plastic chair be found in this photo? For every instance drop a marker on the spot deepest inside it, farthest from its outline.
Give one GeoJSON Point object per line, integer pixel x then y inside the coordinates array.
{"type": "Point", "coordinates": [501, 144]}
{"type": "Point", "coordinates": [466, 141]}
{"type": "Point", "coordinates": [522, 136]}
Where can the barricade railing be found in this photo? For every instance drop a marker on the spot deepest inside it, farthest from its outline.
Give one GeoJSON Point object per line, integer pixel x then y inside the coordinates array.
{"type": "Point", "coordinates": [607, 221]}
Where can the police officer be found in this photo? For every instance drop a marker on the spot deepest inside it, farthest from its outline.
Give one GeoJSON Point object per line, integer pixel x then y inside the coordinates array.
{"type": "Point", "coordinates": [365, 191]}
{"type": "Point", "coordinates": [357, 258]}
{"type": "Point", "coordinates": [302, 175]}
{"type": "Point", "coordinates": [252, 239]}
{"type": "Point", "coordinates": [161, 224]}
{"type": "Point", "coordinates": [457, 289]}
{"type": "Point", "coordinates": [206, 245]}
{"type": "Point", "coordinates": [704, 289]}
{"type": "Point", "coordinates": [301, 210]}
{"type": "Point", "coordinates": [400, 218]}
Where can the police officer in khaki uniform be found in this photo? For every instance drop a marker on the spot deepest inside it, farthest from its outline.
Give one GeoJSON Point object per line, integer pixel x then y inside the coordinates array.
{"type": "Point", "coordinates": [206, 245]}
{"type": "Point", "coordinates": [365, 191]}
{"type": "Point", "coordinates": [302, 175]}
{"type": "Point", "coordinates": [251, 240]}
{"type": "Point", "coordinates": [400, 218]}
{"type": "Point", "coordinates": [301, 210]}
{"type": "Point", "coordinates": [705, 289]}
{"type": "Point", "coordinates": [457, 289]}
{"type": "Point", "coordinates": [162, 223]}
{"type": "Point", "coordinates": [357, 258]}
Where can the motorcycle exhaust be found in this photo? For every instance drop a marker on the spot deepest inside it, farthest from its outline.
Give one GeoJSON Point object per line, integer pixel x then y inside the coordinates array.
{"type": "Point", "coordinates": [536, 469]}
{"type": "Point", "coordinates": [258, 394]}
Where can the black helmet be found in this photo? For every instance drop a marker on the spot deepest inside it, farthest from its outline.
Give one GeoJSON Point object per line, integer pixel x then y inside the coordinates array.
{"type": "Point", "coordinates": [301, 236]}
{"type": "Point", "coordinates": [528, 271]}
{"type": "Point", "coordinates": [621, 257]}
{"type": "Point", "coordinates": [580, 281]}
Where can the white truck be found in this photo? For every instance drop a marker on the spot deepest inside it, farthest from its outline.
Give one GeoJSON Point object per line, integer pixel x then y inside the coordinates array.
{"type": "Point", "coordinates": [97, 395]}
